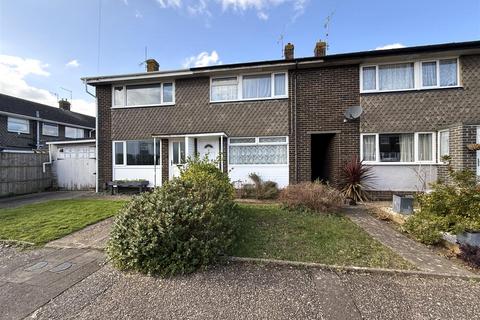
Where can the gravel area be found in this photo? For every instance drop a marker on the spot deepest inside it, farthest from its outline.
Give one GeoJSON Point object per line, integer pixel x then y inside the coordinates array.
{"type": "Point", "coordinates": [254, 291]}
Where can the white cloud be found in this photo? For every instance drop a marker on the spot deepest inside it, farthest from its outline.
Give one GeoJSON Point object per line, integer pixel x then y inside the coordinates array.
{"type": "Point", "coordinates": [391, 46]}
{"type": "Point", "coordinates": [73, 64]}
{"type": "Point", "coordinates": [201, 7]}
{"type": "Point", "coordinates": [170, 3]}
{"type": "Point", "coordinates": [13, 73]}
{"type": "Point", "coordinates": [202, 59]}
{"type": "Point", "coordinates": [262, 15]}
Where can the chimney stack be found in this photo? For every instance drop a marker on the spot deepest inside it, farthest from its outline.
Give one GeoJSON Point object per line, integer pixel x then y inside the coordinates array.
{"type": "Point", "coordinates": [320, 49]}
{"type": "Point", "coordinates": [64, 104]}
{"type": "Point", "coordinates": [289, 51]}
{"type": "Point", "coordinates": [152, 65]}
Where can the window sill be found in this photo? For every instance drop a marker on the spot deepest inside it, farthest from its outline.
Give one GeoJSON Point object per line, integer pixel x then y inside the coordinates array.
{"type": "Point", "coordinates": [258, 165]}
{"type": "Point", "coordinates": [146, 106]}
{"type": "Point", "coordinates": [410, 90]}
{"type": "Point", "coordinates": [400, 163]}
{"type": "Point", "coordinates": [18, 132]}
{"type": "Point", "coordinates": [249, 100]}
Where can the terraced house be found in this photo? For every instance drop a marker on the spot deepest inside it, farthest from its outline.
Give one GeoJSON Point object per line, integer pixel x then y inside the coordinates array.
{"type": "Point", "coordinates": [290, 120]}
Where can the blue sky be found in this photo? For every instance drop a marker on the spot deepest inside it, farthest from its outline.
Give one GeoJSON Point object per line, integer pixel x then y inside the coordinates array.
{"type": "Point", "coordinates": [46, 45]}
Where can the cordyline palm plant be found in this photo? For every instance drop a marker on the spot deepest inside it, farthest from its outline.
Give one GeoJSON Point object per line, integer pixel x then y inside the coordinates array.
{"type": "Point", "coordinates": [356, 178]}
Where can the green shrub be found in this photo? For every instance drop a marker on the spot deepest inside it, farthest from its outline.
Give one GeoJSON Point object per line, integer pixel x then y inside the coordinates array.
{"type": "Point", "coordinates": [452, 206]}
{"type": "Point", "coordinates": [185, 225]}
{"type": "Point", "coordinates": [313, 196]}
{"type": "Point", "coordinates": [259, 189]}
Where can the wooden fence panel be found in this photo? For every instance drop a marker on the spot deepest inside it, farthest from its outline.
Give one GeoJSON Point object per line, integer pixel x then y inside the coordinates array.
{"type": "Point", "coordinates": [22, 173]}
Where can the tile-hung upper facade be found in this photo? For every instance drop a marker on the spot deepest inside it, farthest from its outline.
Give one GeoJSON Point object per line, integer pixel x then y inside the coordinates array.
{"type": "Point", "coordinates": [285, 119]}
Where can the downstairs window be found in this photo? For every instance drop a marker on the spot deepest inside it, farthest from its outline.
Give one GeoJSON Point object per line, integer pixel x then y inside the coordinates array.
{"type": "Point", "coordinates": [258, 151]}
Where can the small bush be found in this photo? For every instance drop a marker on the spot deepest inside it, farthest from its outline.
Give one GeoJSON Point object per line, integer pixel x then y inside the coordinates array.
{"type": "Point", "coordinates": [452, 206]}
{"type": "Point", "coordinates": [314, 196]}
{"type": "Point", "coordinates": [259, 189]}
{"type": "Point", "coordinates": [186, 224]}
{"type": "Point", "coordinates": [356, 178]}
{"type": "Point", "coordinates": [470, 254]}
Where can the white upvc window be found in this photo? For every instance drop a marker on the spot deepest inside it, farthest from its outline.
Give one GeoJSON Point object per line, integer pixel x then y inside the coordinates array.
{"type": "Point", "coordinates": [143, 95]}
{"type": "Point", "coordinates": [249, 87]}
{"type": "Point", "coordinates": [74, 133]}
{"type": "Point", "coordinates": [18, 125]}
{"type": "Point", "coordinates": [258, 151]}
{"type": "Point", "coordinates": [49, 129]}
{"type": "Point", "coordinates": [398, 148]}
{"type": "Point", "coordinates": [410, 75]}
{"type": "Point", "coordinates": [136, 153]}
{"type": "Point", "coordinates": [443, 143]}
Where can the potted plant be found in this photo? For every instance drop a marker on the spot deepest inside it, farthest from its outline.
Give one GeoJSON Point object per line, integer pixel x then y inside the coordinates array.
{"type": "Point", "coordinates": [356, 179]}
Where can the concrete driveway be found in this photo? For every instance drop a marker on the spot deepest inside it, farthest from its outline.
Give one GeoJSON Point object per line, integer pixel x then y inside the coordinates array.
{"type": "Point", "coordinates": [17, 201]}
{"type": "Point", "coordinates": [252, 291]}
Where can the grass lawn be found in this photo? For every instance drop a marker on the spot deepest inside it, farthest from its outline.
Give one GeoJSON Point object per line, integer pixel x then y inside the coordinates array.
{"type": "Point", "coordinates": [42, 222]}
{"type": "Point", "coordinates": [267, 231]}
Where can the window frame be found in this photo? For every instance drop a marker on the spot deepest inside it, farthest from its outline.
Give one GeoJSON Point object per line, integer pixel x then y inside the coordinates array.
{"type": "Point", "coordinates": [76, 130]}
{"type": "Point", "coordinates": [124, 86]}
{"type": "Point", "coordinates": [240, 86]}
{"type": "Point", "coordinates": [417, 75]}
{"type": "Point", "coordinates": [257, 143]}
{"type": "Point", "coordinates": [50, 125]}
{"type": "Point", "coordinates": [156, 154]}
{"type": "Point", "coordinates": [439, 144]}
{"type": "Point", "coordinates": [18, 131]}
{"type": "Point", "coordinates": [415, 151]}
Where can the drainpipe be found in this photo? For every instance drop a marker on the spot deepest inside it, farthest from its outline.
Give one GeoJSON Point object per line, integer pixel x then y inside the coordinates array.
{"type": "Point", "coordinates": [96, 134]}
{"type": "Point", "coordinates": [37, 113]}
{"type": "Point", "coordinates": [295, 120]}
{"type": "Point", "coordinates": [155, 162]}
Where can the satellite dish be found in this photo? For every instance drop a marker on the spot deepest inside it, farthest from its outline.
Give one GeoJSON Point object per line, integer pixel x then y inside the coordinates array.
{"type": "Point", "coordinates": [353, 113]}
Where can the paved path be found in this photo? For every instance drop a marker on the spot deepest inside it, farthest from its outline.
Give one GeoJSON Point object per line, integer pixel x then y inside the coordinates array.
{"type": "Point", "coordinates": [418, 254]}
{"type": "Point", "coordinates": [17, 201]}
{"type": "Point", "coordinates": [31, 278]}
{"type": "Point", "coordinates": [91, 237]}
{"type": "Point", "coordinates": [255, 291]}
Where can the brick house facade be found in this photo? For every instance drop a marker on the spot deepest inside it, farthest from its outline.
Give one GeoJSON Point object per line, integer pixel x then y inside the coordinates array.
{"type": "Point", "coordinates": [26, 111]}
{"type": "Point", "coordinates": [310, 118]}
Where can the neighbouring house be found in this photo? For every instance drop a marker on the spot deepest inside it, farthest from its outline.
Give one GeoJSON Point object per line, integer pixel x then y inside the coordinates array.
{"type": "Point", "coordinates": [26, 125]}
{"type": "Point", "coordinates": [288, 120]}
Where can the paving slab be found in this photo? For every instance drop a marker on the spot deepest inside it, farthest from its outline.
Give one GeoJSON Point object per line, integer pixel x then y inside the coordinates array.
{"type": "Point", "coordinates": [31, 278]}
{"type": "Point", "coordinates": [416, 253]}
{"type": "Point", "coordinates": [91, 237]}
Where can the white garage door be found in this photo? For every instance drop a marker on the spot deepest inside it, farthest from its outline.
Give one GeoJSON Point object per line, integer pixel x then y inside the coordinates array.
{"type": "Point", "coordinates": [75, 167]}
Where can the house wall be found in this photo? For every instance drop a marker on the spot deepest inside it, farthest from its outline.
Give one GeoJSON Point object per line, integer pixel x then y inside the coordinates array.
{"type": "Point", "coordinates": [427, 110]}
{"type": "Point", "coordinates": [28, 141]}
{"type": "Point", "coordinates": [323, 96]}
{"type": "Point", "coordinates": [192, 113]}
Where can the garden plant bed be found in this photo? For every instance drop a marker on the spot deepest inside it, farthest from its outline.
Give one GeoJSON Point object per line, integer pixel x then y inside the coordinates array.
{"type": "Point", "coordinates": [268, 231]}
{"type": "Point", "coordinates": [42, 222]}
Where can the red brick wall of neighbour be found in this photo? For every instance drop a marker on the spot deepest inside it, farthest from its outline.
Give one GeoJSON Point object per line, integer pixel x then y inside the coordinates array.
{"type": "Point", "coordinates": [323, 95]}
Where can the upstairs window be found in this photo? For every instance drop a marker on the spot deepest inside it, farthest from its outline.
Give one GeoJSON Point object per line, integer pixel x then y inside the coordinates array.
{"type": "Point", "coordinates": [249, 87]}
{"type": "Point", "coordinates": [442, 73]}
{"type": "Point", "coordinates": [50, 129]}
{"type": "Point", "coordinates": [18, 125]}
{"type": "Point", "coordinates": [74, 133]}
{"type": "Point", "coordinates": [143, 95]}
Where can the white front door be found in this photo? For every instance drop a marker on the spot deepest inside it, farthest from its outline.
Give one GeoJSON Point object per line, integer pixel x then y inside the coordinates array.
{"type": "Point", "coordinates": [478, 152]}
{"type": "Point", "coordinates": [208, 147]}
{"type": "Point", "coordinates": [176, 156]}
